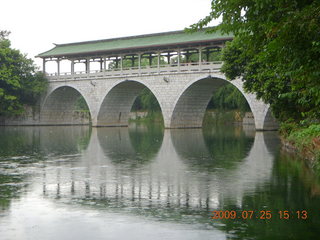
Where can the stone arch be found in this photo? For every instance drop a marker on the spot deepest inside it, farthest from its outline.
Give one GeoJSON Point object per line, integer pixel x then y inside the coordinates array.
{"type": "Point", "coordinates": [58, 107]}
{"type": "Point", "coordinates": [116, 105]}
{"type": "Point", "coordinates": [190, 106]}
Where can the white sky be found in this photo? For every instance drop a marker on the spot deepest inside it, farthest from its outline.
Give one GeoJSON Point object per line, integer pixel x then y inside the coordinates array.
{"type": "Point", "coordinates": [36, 24]}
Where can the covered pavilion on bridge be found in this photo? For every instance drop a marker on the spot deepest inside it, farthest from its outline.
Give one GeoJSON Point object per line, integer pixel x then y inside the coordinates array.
{"type": "Point", "coordinates": [136, 54]}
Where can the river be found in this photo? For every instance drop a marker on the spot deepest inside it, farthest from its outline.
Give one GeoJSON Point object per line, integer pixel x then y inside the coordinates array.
{"type": "Point", "coordinates": [146, 182]}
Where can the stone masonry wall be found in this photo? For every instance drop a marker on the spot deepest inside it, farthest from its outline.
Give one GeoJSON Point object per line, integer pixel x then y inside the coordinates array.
{"type": "Point", "coordinates": [183, 98]}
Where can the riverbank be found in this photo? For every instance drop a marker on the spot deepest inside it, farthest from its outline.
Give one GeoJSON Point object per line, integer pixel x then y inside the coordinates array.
{"type": "Point", "coordinates": [145, 117]}
{"type": "Point", "coordinates": [228, 117]}
{"type": "Point", "coordinates": [31, 117]}
{"type": "Point", "coordinates": [303, 141]}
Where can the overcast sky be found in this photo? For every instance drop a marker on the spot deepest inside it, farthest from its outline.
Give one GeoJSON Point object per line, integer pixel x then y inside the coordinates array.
{"type": "Point", "coordinates": [36, 24]}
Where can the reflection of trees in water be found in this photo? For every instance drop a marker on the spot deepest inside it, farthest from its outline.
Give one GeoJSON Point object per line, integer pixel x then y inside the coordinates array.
{"type": "Point", "coordinates": [133, 145]}
{"type": "Point", "coordinates": [227, 146]}
{"type": "Point", "coordinates": [212, 148]}
{"type": "Point", "coordinates": [146, 139]}
{"type": "Point", "coordinates": [10, 186]}
{"type": "Point", "coordinates": [286, 191]}
{"type": "Point", "coordinates": [20, 147]}
{"type": "Point", "coordinates": [15, 141]}
{"type": "Point", "coordinates": [29, 141]}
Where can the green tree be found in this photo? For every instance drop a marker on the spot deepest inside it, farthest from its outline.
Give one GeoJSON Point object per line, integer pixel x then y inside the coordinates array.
{"type": "Point", "coordinates": [20, 82]}
{"type": "Point", "coordinates": [276, 50]}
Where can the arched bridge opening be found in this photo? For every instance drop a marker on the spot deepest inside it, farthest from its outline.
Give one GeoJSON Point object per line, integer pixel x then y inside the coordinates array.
{"type": "Point", "coordinates": [117, 104]}
{"type": "Point", "coordinates": [65, 105]}
{"type": "Point", "coordinates": [191, 105]}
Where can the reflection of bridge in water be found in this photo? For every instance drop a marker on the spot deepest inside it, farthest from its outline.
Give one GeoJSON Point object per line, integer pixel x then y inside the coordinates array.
{"type": "Point", "coordinates": [114, 171]}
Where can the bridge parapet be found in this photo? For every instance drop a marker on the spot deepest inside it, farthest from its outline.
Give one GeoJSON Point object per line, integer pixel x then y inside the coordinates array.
{"type": "Point", "coordinates": [138, 71]}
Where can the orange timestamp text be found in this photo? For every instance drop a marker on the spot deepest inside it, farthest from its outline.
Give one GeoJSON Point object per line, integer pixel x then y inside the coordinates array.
{"type": "Point", "coordinates": [260, 214]}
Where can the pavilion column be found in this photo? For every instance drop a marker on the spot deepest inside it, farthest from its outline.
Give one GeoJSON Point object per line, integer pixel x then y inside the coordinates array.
{"type": "Point", "coordinates": [158, 62]}
{"type": "Point", "coordinates": [200, 57]}
{"type": "Point", "coordinates": [58, 67]}
{"type": "Point", "coordinates": [168, 58]}
{"type": "Point", "coordinates": [117, 62]}
{"type": "Point", "coordinates": [72, 67]}
{"type": "Point", "coordinates": [44, 65]}
{"type": "Point", "coordinates": [207, 55]}
{"type": "Point", "coordinates": [121, 64]}
{"type": "Point", "coordinates": [101, 64]}
{"type": "Point", "coordinates": [179, 53]}
{"type": "Point", "coordinates": [150, 60]}
{"type": "Point", "coordinates": [187, 56]}
{"type": "Point", "coordinates": [104, 64]}
{"type": "Point", "coordinates": [139, 63]}
{"type": "Point", "coordinates": [88, 65]}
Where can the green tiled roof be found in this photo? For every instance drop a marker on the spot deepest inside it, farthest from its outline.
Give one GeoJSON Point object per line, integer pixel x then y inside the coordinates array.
{"type": "Point", "coordinates": [127, 43]}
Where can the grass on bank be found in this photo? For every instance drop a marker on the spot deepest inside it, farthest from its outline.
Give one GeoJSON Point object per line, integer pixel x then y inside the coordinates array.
{"type": "Point", "coordinates": [305, 139]}
{"type": "Point", "coordinates": [151, 117]}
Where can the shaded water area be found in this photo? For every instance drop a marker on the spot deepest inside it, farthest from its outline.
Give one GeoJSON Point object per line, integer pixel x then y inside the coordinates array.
{"type": "Point", "coordinates": [144, 182]}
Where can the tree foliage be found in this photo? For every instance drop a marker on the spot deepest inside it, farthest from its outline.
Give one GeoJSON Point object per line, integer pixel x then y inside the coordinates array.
{"type": "Point", "coordinates": [146, 101]}
{"type": "Point", "coordinates": [20, 83]}
{"type": "Point", "coordinates": [229, 97]}
{"type": "Point", "coordinates": [276, 51]}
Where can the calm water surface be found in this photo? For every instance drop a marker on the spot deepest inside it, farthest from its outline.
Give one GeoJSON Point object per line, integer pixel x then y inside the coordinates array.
{"type": "Point", "coordinates": [144, 182]}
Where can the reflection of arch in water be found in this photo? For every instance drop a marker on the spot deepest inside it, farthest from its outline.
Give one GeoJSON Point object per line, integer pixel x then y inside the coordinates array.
{"type": "Point", "coordinates": [189, 144]}
{"type": "Point", "coordinates": [62, 140]}
{"type": "Point", "coordinates": [251, 167]}
{"type": "Point", "coordinates": [253, 172]}
{"type": "Point", "coordinates": [130, 145]}
{"type": "Point", "coordinates": [228, 145]}
{"type": "Point", "coordinates": [212, 148]}
{"type": "Point", "coordinates": [272, 141]}
{"type": "Point", "coordinates": [166, 182]}
{"type": "Point", "coordinates": [146, 139]}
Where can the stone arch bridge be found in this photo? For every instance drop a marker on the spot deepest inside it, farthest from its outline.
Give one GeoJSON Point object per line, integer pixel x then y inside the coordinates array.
{"type": "Point", "coordinates": [180, 69]}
